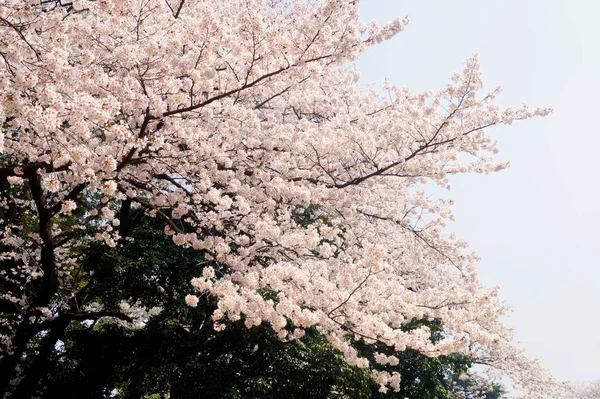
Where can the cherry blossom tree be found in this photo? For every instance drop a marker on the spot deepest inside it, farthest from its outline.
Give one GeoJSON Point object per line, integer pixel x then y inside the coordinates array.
{"type": "Point", "coordinates": [230, 120]}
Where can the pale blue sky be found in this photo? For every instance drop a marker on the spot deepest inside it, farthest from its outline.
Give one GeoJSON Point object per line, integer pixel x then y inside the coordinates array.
{"type": "Point", "coordinates": [535, 224]}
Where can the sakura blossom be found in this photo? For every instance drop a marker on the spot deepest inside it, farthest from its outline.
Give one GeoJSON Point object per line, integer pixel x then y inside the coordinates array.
{"type": "Point", "coordinates": [191, 300]}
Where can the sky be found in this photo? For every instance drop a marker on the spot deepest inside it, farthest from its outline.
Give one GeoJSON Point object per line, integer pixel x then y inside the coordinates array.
{"type": "Point", "coordinates": [536, 224]}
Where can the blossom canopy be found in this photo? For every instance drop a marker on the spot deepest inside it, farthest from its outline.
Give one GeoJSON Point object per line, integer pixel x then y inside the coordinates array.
{"type": "Point", "coordinates": [242, 124]}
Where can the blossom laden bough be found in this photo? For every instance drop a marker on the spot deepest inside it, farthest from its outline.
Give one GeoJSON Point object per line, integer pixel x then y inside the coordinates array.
{"type": "Point", "coordinates": [243, 126]}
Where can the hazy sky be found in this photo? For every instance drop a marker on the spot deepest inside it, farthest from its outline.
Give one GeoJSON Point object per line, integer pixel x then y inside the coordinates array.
{"type": "Point", "coordinates": [535, 224]}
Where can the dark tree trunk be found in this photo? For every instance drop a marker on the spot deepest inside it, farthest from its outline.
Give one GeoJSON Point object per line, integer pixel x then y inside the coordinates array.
{"type": "Point", "coordinates": [9, 363]}
{"type": "Point", "coordinates": [41, 298]}
{"type": "Point", "coordinates": [35, 372]}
